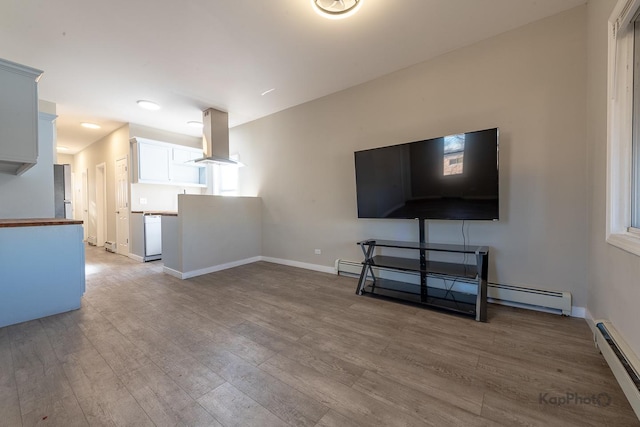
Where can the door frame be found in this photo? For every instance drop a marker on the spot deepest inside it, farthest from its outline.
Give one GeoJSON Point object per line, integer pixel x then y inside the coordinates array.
{"type": "Point", "coordinates": [84, 196]}
{"type": "Point", "coordinates": [119, 248]}
{"type": "Point", "coordinates": [101, 204]}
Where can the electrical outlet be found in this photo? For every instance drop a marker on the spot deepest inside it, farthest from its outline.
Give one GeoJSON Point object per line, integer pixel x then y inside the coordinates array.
{"type": "Point", "coordinates": [143, 201]}
{"type": "Point", "coordinates": [318, 251]}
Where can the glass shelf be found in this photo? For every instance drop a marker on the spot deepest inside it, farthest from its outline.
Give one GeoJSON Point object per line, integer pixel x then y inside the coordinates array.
{"type": "Point", "coordinates": [440, 247]}
{"type": "Point", "coordinates": [438, 267]}
{"type": "Point", "coordinates": [474, 304]}
{"type": "Point", "coordinates": [441, 298]}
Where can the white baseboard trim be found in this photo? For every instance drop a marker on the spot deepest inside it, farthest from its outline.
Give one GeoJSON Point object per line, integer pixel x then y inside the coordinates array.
{"type": "Point", "coordinates": [135, 257]}
{"type": "Point", "coordinates": [214, 268]}
{"type": "Point", "coordinates": [622, 361]}
{"type": "Point", "coordinates": [305, 265]}
{"type": "Point", "coordinates": [172, 272]}
{"type": "Point", "coordinates": [578, 312]}
{"type": "Point", "coordinates": [220, 267]}
{"type": "Point", "coordinates": [592, 324]}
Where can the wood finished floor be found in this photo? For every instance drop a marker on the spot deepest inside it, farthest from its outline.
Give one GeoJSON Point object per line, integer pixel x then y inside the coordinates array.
{"type": "Point", "coordinates": [268, 345]}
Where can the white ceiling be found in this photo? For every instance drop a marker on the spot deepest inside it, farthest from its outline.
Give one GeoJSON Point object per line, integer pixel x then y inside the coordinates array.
{"type": "Point", "coordinates": [99, 58]}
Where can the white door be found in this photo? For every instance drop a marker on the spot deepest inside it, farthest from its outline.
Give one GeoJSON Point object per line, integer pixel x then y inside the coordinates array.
{"type": "Point", "coordinates": [122, 206]}
{"type": "Point", "coordinates": [101, 204]}
{"type": "Point", "coordinates": [84, 199]}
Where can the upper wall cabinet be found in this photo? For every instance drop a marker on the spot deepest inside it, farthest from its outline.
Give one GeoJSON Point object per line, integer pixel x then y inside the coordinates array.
{"type": "Point", "coordinates": [18, 117]}
{"type": "Point", "coordinates": [161, 163]}
{"type": "Point", "coordinates": [153, 162]}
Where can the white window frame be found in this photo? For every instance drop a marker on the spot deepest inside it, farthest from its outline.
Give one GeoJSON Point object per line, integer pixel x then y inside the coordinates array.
{"type": "Point", "coordinates": [620, 127]}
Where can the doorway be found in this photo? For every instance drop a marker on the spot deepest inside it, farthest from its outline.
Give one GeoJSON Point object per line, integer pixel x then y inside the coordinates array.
{"type": "Point", "coordinates": [122, 205]}
{"type": "Point", "coordinates": [83, 203]}
{"type": "Point", "coordinates": [101, 204]}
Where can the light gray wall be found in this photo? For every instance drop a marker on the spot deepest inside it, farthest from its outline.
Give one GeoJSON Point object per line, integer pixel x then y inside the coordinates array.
{"type": "Point", "coordinates": [159, 197]}
{"type": "Point", "coordinates": [62, 159]}
{"type": "Point", "coordinates": [530, 82]}
{"type": "Point", "coordinates": [171, 249]}
{"type": "Point", "coordinates": [30, 195]}
{"type": "Point", "coordinates": [216, 230]}
{"type": "Point", "coordinates": [136, 233]}
{"type": "Point", "coordinates": [614, 275]}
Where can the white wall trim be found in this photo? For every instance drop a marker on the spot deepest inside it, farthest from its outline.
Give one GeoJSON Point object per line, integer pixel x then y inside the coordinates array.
{"type": "Point", "coordinates": [618, 367]}
{"type": "Point", "coordinates": [578, 312]}
{"type": "Point", "coordinates": [592, 324]}
{"type": "Point", "coordinates": [305, 265]}
{"type": "Point", "coordinates": [219, 267]}
{"type": "Point", "coordinates": [628, 352]}
{"type": "Point", "coordinates": [625, 241]}
{"type": "Point", "coordinates": [172, 272]}
{"type": "Point", "coordinates": [135, 257]}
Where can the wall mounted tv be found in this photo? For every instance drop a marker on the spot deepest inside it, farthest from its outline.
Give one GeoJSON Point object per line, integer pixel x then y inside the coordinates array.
{"type": "Point", "coordinates": [454, 177]}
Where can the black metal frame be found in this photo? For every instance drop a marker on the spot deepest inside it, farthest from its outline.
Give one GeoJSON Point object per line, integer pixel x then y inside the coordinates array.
{"type": "Point", "coordinates": [426, 269]}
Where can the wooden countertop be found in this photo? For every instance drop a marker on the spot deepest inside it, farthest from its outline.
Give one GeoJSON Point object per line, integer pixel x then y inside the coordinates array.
{"type": "Point", "coordinates": [36, 222]}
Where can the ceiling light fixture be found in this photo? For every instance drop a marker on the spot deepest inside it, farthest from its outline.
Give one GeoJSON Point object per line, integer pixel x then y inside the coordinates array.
{"type": "Point", "coordinates": [268, 91]}
{"type": "Point", "coordinates": [195, 124]}
{"type": "Point", "coordinates": [89, 125]}
{"type": "Point", "coordinates": [336, 9]}
{"type": "Point", "coordinates": [62, 148]}
{"type": "Point", "coordinates": [148, 105]}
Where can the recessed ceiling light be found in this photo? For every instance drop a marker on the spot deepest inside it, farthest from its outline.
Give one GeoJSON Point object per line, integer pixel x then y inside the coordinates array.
{"type": "Point", "coordinates": [148, 105]}
{"type": "Point", "coordinates": [195, 124]}
{"type": "Point", "coordinates": [89, 125]}
{"type": "Point", "coordinates": [62, 148]}
{"type": "Point", "coordinates": [336, 9]}
{"type": "Point", "coordinates": [268, 91]}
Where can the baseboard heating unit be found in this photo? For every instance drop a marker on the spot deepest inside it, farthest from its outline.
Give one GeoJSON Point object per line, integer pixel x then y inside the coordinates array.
{"type": "Point", "coordinates": [621, 360]}
{"type": "Point", "coordinates": [110, 247]}
{"type": "Point", "coordinates": [511, 295]}
{"type": "Point", "coordinates": [519, 296]}
{"type": "Point", "coordinates": [92, 240]}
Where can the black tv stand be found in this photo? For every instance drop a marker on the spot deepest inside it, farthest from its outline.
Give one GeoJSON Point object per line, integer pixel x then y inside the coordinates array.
{"type": "Point", "coordinates": [374, 267]}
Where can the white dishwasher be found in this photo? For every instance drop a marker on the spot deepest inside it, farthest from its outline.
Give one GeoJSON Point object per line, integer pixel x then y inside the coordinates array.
{"type": "Point", "coordinates": [152, 237]}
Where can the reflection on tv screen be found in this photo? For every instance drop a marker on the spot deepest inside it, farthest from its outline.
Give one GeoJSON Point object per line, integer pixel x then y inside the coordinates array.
{"type": "Point", "coordinates": [452, 177]}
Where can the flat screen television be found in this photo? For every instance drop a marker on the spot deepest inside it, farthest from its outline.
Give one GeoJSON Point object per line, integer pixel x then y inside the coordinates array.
{"type": "Point", "coordinates": [454, 177]}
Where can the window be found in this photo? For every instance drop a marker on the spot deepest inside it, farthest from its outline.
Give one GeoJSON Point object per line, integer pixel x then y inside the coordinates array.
{"type": "Point", "coordinates": [623, 139]}
{"type": "Point", "coordinates": [225, 178]}
{"type": "Point", "coordinates": [635, 143]}
{"type": "Point", "coordinates": [453, 154]}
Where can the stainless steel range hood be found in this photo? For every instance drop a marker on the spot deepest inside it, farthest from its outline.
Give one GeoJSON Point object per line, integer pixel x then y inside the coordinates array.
{"type": "Point", "coordinates": [215, 137]}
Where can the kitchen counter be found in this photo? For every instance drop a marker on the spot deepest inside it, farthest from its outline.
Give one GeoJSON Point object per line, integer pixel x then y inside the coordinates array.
{"type": "Point", "coordinates": [211, 233]}
{"type": "Point", "coordinates": [37, 222]}
{"type": "Point", "coordinates": [41, 268]}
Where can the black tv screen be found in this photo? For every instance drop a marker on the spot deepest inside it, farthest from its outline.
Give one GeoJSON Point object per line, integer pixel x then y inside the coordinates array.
{"type": "Point", "coordinates": [453, 177]}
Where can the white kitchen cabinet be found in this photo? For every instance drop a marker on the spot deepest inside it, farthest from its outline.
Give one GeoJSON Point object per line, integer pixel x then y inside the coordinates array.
{"type": "Point", "coordinates": [184, 171]}
{"type": "Point", "coordinates": [186, 174]}
{"type": "Point", "coordinates": [186, 154]}
{"type": "Point", "coordinates": [157, 162]}
{"type": "Point", "coordinates": [18, 117]}
{"type": "Point", "coordinates": [154, 163]}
